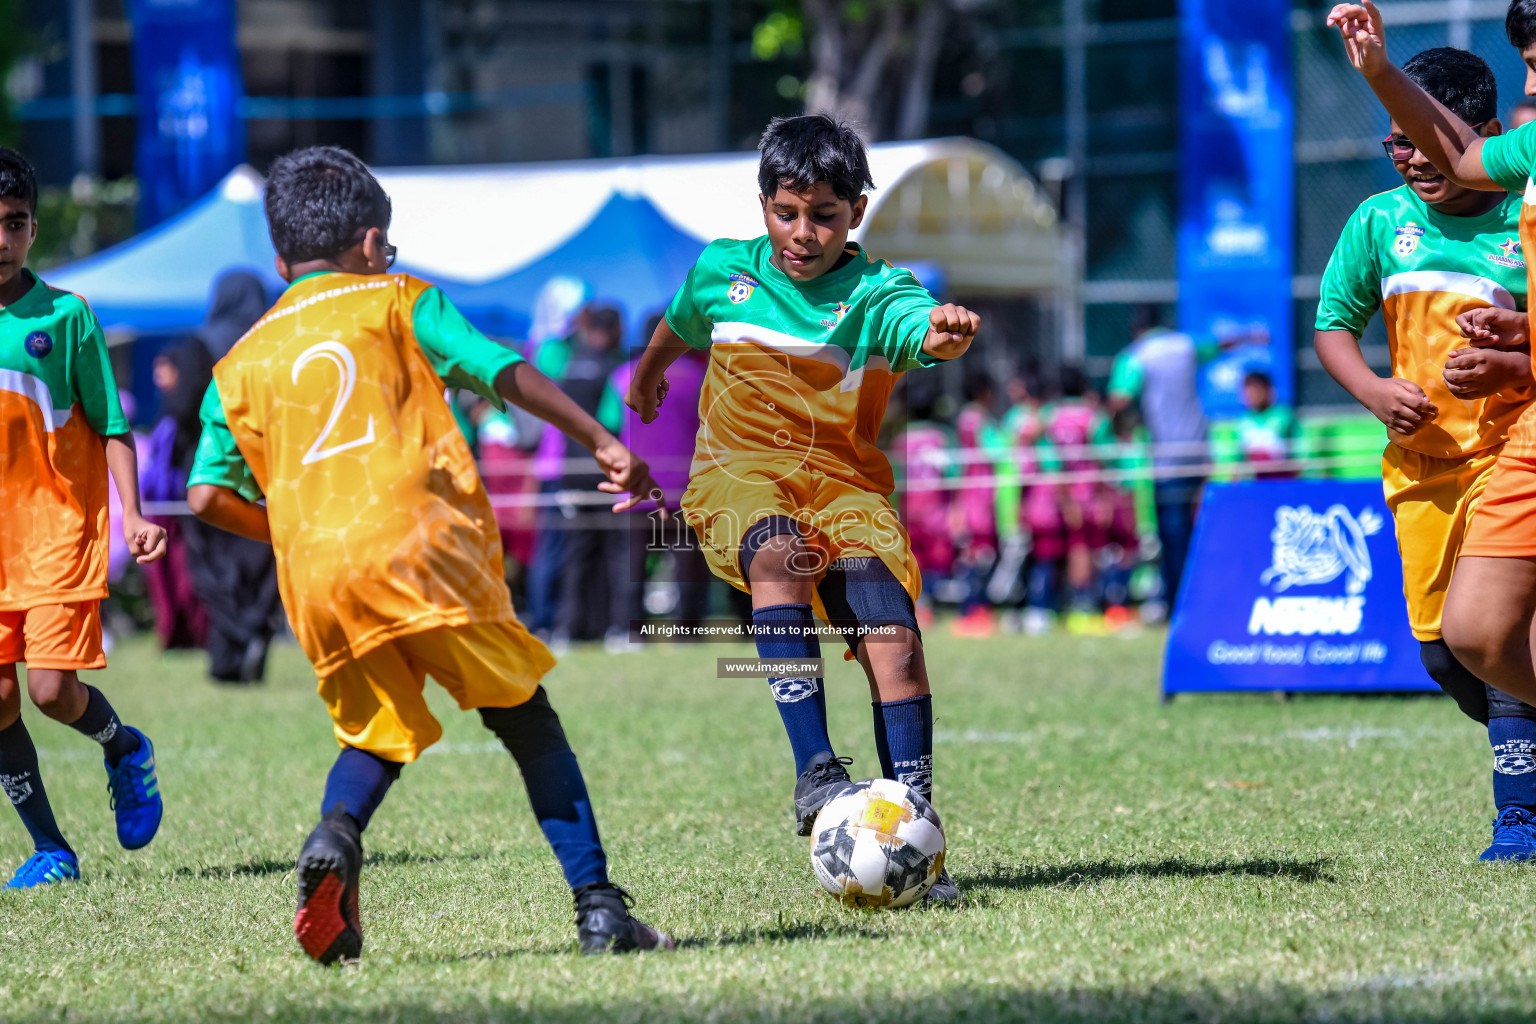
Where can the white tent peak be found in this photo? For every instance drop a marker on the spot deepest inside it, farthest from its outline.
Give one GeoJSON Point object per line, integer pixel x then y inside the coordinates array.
{"type": "Point", "coordinates": [242, 185]}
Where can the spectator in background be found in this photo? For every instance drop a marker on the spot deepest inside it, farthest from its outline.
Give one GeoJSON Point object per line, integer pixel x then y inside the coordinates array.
{"type": "Point", "coordinates": [1070, 425]}
{"type": "Point", "coordinates": [235, 578]}
{"type": "Point", "coordinates": [182, 374]}
{"type": "Point", "coordinates": [1265, 431]}
{"type": "Point", "coordinates": [239, 298]}
{"type": "Point", "coordinates": [666, 444]}
{"type": "Point", "coordinates": [1160, 370]}
{"type": "Point", "coordinates": [973, 513]}
{"type": "Point", "coordinates": [921, 460]}
{"type": "Point", "coordinates": [1523, 112]}
{"type": "Point", "coordinates": [550, 340]}
{"type": "Point", "coordinates": [593, 543]}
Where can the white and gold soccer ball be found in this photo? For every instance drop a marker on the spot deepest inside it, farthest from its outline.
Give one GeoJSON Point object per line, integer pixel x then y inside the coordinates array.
{"type": "Point", "coordinates": [877, 843]}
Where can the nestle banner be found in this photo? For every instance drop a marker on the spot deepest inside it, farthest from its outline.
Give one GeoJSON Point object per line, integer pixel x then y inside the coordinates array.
{"type": "Point", "coordinates": [1235, 190]}
{"type": "Point", "coordinates": [186, 73]}
{"type": "Point", "coordinates": [1293, 585]}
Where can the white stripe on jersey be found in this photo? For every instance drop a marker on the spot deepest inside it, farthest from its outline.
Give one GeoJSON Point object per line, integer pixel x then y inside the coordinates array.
{"type": "Point", "coordinates": [36, 389]}
{"type": "Point", "coordinates": [1490, 292]}
{"type": "Point", "coordinates": [736, 332]}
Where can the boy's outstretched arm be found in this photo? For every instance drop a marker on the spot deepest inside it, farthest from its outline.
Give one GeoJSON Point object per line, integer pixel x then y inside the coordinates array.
{"type": "Point", "coordinates": [1446, 140]}
{"type": "Point", "coordinates": [648, 386]}
{"type": "Point", "coordinates": [527, 388]}
{"type": "Point", "coordinates": [951, 329]}
{"type": "Point", "coordinates": [1400, 404]}
{"type": "Point", "coordinates": [146, 540]}
{"type": "Point", "coordinates": [225, 508]}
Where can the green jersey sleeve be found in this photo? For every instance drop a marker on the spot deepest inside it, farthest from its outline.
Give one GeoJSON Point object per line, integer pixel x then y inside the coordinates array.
{"type": "Point", "coordinates": [218, 460]}
{"type": "Point", "coordinates": [1510, 159]}
{"type": "Point", "coordinates": [1351, 289]}
{"type": "Point", "coordinates": [899, 314]}
{"type": "Point", "coordinates": [94, 384]}
{"type": "Point", "coordinates": [460, 354]}
{"type": "Point", "coordinates": [1126, 376]}
{"type": "Point", "coordinates": [685, 315]}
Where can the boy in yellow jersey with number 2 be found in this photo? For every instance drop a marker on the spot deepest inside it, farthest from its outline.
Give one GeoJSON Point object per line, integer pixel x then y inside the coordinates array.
{"type": "Point", "coordinates": [1424, 254]}
{"type": "Point", "coordinates": [388, 555]}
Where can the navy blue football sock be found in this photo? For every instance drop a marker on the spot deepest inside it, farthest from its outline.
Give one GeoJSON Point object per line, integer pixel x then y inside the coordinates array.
{"type": "Point", "coordinates": [785, 631]}
{"type": "Point", "coordinates": [904, 740]}
{"type": "Point", "coordinates": [1514, 762]}
{"type": "Point", "coordinates": [357, 784]}
{"type": "Point", "coordinates": [532, 734]}
{"type": "Point", "coordinates": [21, 782]}
{"type": "Point", "coordinates": [101, 724]}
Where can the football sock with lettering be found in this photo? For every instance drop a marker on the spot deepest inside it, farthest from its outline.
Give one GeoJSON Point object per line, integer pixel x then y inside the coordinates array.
{"type": "Point", "coordinates": [1514, 762]}
{"type": "Point", "coordinates": [23, 786]}
{"type": "Point", "coordinates": [904, 741]}
{"type": "Point", "coordinates": [101, 724]}
{"type": "Point", "coordinates": [785, 631]}
{"type": "Point", "coordinates": [357, 784]}
{"type": "Point", "coordinates": [532, 734]}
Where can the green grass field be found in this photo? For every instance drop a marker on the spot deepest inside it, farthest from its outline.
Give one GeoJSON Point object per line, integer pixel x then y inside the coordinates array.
{"type": "Point", "coordinates": [1219, 859]}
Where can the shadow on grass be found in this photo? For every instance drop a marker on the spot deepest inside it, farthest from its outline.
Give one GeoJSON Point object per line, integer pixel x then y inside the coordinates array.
{"type": "Point", "coordinates": [1001, 876]}
{"type": "Point", "coordinates": [792, 931]}
{"type": "Point", "coordinates": [267, 867]}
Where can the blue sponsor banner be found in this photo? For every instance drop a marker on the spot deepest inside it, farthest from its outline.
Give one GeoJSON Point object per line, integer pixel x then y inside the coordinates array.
{"type": "Point", "coordinates": [186, 70]}
{"type": "Point", "coordinates": [1235, 191]}
{"type": "Point", "coordinates": [1293, 585]}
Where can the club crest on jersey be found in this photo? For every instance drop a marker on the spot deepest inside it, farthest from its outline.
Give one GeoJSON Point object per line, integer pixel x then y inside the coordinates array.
{"type": "Point", "coordinates": [1407, 239]}
{"type": "Point", "coordinates": [38, 344]}
{"type": "Point", "coordinates": [741, 288]}
{"type": "Point", "coordinates": [837, 315]}
{"type": "Point", "coordinates": [1509, 254]}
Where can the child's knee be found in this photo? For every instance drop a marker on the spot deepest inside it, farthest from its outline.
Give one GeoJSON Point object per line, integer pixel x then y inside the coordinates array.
{"type": "Point", "coordinates": [528, 731]}
{"type": "Point", "coordinates": [10, 697]}
{"type": "Point", "coordinates": [775, 551]}
{"type": "Point", "coordinates": [50, 689]}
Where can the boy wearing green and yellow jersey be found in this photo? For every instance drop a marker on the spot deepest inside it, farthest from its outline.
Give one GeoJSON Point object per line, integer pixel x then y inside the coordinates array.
{"type": "Point", "coordinates": [1425, 253]}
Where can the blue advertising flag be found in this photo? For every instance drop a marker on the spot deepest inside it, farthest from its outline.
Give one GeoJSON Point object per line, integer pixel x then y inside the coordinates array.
{"type": "Point", "coordinates": [1293, 585]}
{"type": "Point", "coordinates": [186, 70]}
{"type": "Point", "coordinates": [1235, 198]}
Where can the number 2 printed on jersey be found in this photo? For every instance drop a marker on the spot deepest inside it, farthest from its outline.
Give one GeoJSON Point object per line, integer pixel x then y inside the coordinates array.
{"type": "Point", "coordinates": [339, 355]}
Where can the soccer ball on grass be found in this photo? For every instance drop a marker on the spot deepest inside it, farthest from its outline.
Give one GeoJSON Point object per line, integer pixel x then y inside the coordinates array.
{"type": "Point", "coordinates": [877, 843]}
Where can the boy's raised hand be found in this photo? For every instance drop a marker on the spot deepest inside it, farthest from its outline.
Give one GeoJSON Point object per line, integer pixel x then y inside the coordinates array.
{"type": "Point", "coordinates": [146, 540]}
{"type": "Point", "coordinates": [951, 329]}
{"type": "Point", "coordinates": [1493, 327]}
{"type": "Point", "coordinates": [1364, 40]}
{"type": "Point", "coordinates": [627, 473]}
{"type": "Point", "coordinates": [1479, 372]}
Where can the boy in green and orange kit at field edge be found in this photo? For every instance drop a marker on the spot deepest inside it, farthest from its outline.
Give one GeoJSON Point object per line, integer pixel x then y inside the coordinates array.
{"type": "Point", "coordinates": [64, 431]}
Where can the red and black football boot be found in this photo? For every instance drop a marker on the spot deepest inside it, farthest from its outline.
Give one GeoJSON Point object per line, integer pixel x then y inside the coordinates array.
{"type": "Point", "coordinates": [605, 925]}
{"type": "Point", "coordinates": [327, 924]}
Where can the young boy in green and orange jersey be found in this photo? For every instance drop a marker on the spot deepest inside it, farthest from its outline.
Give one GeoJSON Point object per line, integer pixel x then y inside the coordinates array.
{"type": "Point", "coordinates": [64, 431]}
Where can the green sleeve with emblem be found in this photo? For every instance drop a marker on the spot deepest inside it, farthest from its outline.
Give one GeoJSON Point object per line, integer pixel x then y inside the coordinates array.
{"type": "Point", "coordinates": [1510, 159]}
{"type": "Point", "coordinates": [899, 321]}
{"type": "Point", "coordinates": [1351, 288]}
{"type": "Point", "coordinates": [219, 461]}
{"type": "Point", "coordinates": [460, 354]}
{"type": "Point", "coordinates": [91, 371]}
{"type": "Point", "coordinates": [685, 314]}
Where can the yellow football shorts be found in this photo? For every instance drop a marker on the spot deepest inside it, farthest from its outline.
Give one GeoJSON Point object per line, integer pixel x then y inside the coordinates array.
{"type": "Point", "coordinates": [1432, 501]}
{"type": "Point", "coordinates": [377, 702]}
{"type": "Point", "coordinates": [838, 519]}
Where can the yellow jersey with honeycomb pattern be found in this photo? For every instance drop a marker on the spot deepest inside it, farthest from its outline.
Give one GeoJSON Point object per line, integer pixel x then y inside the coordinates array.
{"type": "Point", "coordinates": [336, 403]}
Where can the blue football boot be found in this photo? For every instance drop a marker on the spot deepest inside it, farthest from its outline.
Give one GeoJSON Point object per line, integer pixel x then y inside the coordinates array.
{"type": "Point", "coordinates": [45, 868]}
{"type": "Point", "coordinates": [1514, 836]}
{"type": "Point", "coordinates": [135, 793]}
